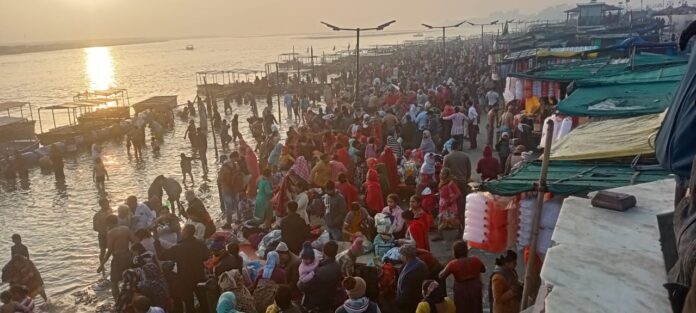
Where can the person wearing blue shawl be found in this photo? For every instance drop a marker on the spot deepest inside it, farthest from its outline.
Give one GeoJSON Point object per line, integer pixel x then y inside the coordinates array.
{"type": "Point", "coordinates": [227, 303]}
{"type": "Point", "coordinates": [274, 156]}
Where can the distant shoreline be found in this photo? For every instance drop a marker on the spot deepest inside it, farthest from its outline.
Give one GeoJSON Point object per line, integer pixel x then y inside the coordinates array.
{"type": "Point", "coordinates": [327, 36]}
{"type": "Point", "coordinates": [78, 44]}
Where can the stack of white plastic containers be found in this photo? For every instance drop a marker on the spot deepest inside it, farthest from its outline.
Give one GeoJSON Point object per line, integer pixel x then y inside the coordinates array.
{"type": "Point", "coordinates": [476, 218]}
{"type": "Point", "coordinates": [524, 235]}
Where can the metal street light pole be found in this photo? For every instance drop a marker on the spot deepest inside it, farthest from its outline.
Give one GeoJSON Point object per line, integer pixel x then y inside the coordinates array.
{"type": "Point", "coordinates": [357, 52]}
{"type": "Point", "coordinates": [444, 47]}
{"type": "Point", "coordinates": [482, 25]}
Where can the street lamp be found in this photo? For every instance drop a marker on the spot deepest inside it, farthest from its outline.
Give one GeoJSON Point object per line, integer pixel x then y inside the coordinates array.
{"type": "Point", "coordinates": [482, 25]}
{"type": "Point", "coordinates": [444, 51]}
{"type": "Point", "coordinates": [357, 50]}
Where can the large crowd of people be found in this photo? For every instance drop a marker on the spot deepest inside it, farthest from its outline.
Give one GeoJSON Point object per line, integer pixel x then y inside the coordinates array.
{"type": "Point", "coordinates": [339, 212]}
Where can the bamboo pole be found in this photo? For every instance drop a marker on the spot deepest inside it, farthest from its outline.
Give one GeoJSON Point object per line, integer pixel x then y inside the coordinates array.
{"type": "Point", "coordinates": [531, 276]}
{"type": "Point", "coordinates": [212, 129]}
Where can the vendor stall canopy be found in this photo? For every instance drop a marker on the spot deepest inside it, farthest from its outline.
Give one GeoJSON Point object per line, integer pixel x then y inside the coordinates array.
{"type": "Point", "coordinates": [569, 178]}
{"type": "Point", "coordinates": [610, 139]}
{"type": "Point", "coordinates": [601, 67]}
{"type": "Point", "coordinates": [629, 94]}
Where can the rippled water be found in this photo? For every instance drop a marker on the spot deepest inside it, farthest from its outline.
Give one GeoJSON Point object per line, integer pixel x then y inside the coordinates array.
{"type": "Point", "coordinates": [55, 220]}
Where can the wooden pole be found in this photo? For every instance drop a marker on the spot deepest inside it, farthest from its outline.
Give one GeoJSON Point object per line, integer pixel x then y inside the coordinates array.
{"type": "Point", "coordinates": [212, 107]}
{"type": "Point", "coordinates": [531, 276]}
{"type": "Point", "coordinates": [278, 91]}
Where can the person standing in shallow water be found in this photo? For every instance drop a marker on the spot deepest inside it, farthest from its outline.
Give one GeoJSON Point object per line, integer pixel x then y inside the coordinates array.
{"type": "Point", "coordinates": [57, 162]}
{"type": "Point", "coordinates": [100, 175]}
{"type": "Point", "coordinates": [118, 240]}
{"type": "Point", "coordinates": [234, 125]}
{"type": "Point", "coordinates": [192, 134]}
{"type": "Point", "coordinates": [100, 226]}
{"type": "Point", "coordinates": [18, 247]}
{"type": "Point", "coordinates": [202, 142]}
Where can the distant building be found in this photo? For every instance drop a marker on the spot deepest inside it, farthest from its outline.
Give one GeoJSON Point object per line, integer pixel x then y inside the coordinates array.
{"type": "Point", "coordinates": [594, 14]}
{"type": "Point", "coordinates": [676, 19]}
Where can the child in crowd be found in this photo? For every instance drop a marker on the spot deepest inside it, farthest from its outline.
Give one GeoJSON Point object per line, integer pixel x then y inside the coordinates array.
{"type": "Point", "coordinates": [155, 145]}
{"type": "Point", "coordinates": [9, 305]}
{"type": "Point", "coordinates": [309, 262]}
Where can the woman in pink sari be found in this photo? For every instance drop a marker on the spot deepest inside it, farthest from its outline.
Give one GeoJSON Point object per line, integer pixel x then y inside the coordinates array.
{"type": "Point", "coordinates": [301, 168]}
{"type": "Point", "coordinates": [449, 196]}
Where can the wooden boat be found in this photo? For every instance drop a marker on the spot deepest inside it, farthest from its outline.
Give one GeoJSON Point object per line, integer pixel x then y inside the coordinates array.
{"type": "Point", "coordinates": [157, 103]}
{"type": "Point", "coordinates": [74, 131]}
{"type": "Point", "coordinates": [21, 145]}
{"type": "Point", "coordinates": [17, 132]}
{"type": "Point", "coordinates": [16, 127]}
{"type": "Point", "coordinates": [103, 105]}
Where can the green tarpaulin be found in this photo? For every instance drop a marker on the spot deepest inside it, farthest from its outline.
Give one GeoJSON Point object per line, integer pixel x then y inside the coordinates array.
{"type": "Point", "coordinates": [666, 74]}
{"type": "Point", "coordinates": [619, 100]}
{"type": "Point", "coordinates": [601, 67]}
{"type": "Point", "coordinates": [629, 94]}
{"type": "Point", "coordinates": [570, 177]}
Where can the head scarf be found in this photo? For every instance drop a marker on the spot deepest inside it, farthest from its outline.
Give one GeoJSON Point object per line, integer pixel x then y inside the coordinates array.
{"type": "Point", "coordinates": [274, 156]}
{"type": "Point", "coordinates": [371, 163]}
{"type": "Point", "coordinates": [227, 303]}
{"type": "Point", "coordinates": [487, 152]}
{"type": "Point", "coordinates": [445, 176]}
{"type": "Point", "coordinates": [154, 284]}
{"type": "Point", "coordinates": [271, 261]}
{"type": "Point", "coordinates": [372, 176]}
{"type": "Point", "coordinates": [434, 296]}
{"type": "Point", "coordinates": [428, 166]}
{"type": "Point", "coordinates": [427, 144]}
{"type": "Point", "coordinates": [301, 168]}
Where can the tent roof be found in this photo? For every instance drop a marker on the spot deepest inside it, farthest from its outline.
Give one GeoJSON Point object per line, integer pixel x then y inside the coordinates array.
{"type": "Point", "coordinates": [619, 100]}
{"type": "Point", "coordinates": [612, 138]}
{"type": "Point", "coordinates": [162, 103]}
{"type": "Point", "coordinates": [628, 94]}
{"type": "Point", "coordinates": [569, 177]}
{"type": "Point", "coordinates": [600, 67]}
{"type": "Point", "coordinates": [11, 105]}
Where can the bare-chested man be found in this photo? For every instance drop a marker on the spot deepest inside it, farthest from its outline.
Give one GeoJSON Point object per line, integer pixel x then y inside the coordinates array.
{"type": "Point", "coordinates": [118, 240]}
{"type": "Point", "coordinates": [490, 126]}
{"type": "Point", "coordinates": [507, 121]}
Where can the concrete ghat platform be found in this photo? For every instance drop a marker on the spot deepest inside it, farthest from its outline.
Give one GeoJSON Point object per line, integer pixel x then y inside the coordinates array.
{"type": "Point", "coordinates": [607, 261]}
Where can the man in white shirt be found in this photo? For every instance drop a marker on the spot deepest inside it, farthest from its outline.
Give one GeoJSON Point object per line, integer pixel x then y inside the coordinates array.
{"type": "Point", "coordinates": [493, 98]}
{"type": "Point", "coordinates": [143, 216]}
{"type": "Point", "coordinates": [473, 124]}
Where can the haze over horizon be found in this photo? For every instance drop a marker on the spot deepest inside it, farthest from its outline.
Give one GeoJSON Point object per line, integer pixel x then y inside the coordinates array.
{"type": "Point", "coordinates": [63, 20]}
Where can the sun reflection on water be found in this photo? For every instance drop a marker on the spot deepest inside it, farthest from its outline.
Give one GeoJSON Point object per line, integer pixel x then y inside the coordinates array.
{"type": "Point", "coordinates": [99, 68]}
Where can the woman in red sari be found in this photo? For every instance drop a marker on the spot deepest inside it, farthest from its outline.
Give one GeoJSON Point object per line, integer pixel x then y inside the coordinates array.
{"type": "Point", "coordinates": [349, 192]}
{"type": "Point", "coordinates": [374, 199]}
{"type": "Point", "coordinates": [343, 156]}
{"type": "Point", "coordinates": [449, 197]}
{"type": "Point", "coordinates": [467, 279]}
{"type": "Point", "coordinates": [417, 231]}
{"type": "Point", "coordinates": [389, 161]}
{"type": "Point", "coordinates": [252, 164]}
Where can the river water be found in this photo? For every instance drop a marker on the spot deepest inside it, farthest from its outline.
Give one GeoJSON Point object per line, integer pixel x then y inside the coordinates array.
{"type": "Point", "coordinates": [55, 219]}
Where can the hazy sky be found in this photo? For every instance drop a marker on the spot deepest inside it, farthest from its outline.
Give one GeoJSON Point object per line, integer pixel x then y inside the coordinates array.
{"type": "Point", "coordinates": [49, 20]}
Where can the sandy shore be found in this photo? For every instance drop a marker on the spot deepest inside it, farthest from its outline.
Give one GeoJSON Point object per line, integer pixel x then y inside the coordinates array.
{"type": "Point", "coordinates": [78, 44]}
